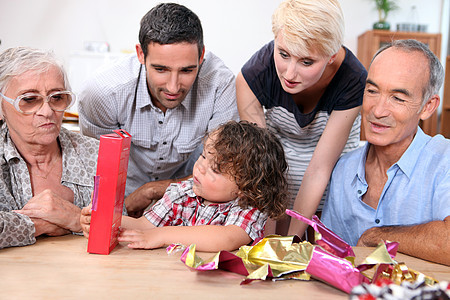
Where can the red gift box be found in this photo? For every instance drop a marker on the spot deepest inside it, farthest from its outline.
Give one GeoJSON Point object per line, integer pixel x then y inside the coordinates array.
{"type": "Point", "coordinates": [109, 190]}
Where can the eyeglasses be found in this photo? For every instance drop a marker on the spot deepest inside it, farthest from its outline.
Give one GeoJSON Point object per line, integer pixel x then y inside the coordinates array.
{"type": "Point", "coordinates": [30, 103]}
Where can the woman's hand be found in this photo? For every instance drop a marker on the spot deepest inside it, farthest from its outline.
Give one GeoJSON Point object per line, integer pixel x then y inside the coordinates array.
{"type": "Point", "coordinates": [52, 208]}
{"type": "Point", "coordinates": [44, 227]}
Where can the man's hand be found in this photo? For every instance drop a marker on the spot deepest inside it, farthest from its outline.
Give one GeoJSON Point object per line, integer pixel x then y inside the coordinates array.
{"type": "Point", "coordinates": [52, 208]}
{"type": "Point", "coordinates": [371, 237]}
{"type": "Point", "coordinates": [85, 220]}
{"type": "Point", "coordinates": [141, 198]}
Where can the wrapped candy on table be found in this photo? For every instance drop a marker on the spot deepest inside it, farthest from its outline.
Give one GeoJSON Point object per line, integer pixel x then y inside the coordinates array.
{"type": "Point", "coordinates": [332, 261]}
{"type": "Point", "coordinates": [280, 258]}
{"type": "Point", "coordinates": [223, 260]}
{"type": "Point", "coordinates": [272, 257]}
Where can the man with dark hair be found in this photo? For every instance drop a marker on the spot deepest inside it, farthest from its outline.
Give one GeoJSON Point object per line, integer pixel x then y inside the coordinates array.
{"type": "Point", "coordinates": [167, 97]}
{"type": "Point", "coordinates": [396, 187]}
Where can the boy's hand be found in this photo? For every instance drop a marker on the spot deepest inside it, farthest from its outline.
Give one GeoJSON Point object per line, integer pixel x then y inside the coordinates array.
{"type": "Point", "coordinates": [141, 239]}
{"type": "Point", "coordinates": [85, 219]}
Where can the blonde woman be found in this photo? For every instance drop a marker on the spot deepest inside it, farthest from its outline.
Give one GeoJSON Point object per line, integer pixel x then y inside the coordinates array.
{"type": "Point", "coordinates": [307, 88]}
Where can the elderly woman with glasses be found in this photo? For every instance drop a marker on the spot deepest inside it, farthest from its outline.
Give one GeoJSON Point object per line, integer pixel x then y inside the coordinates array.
{"type": "Point", "coordinates": [47, 171]}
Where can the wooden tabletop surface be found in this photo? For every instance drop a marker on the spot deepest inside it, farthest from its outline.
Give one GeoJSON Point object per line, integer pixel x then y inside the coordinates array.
{"type": "Point", "coordinates": [60, 268]}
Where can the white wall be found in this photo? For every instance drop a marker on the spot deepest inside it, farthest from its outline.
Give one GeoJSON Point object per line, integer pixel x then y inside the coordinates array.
{"type": "Point", "coordinates": [234, 29]}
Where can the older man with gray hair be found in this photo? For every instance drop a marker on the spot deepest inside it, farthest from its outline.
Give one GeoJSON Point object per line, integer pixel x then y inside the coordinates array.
{"type": "Point", "coordinates": [396, 187]}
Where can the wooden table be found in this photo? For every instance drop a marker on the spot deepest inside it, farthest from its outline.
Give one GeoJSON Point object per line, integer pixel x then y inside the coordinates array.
{"type": "Point", "coordinates": [60, 267]}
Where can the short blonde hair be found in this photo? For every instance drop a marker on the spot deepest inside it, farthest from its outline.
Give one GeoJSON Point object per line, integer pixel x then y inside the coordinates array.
{"type": "Point", "coordinates": [309, 25]}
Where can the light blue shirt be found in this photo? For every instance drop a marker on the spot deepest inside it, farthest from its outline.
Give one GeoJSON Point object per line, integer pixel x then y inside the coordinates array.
{"type": "Point", "coordinates": [417, 189]}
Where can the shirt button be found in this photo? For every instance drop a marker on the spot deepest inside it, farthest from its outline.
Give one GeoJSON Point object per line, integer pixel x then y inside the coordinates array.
{"type": "Point", "coordinates": [156, 178]}
{"type": "Point", "coordinates": [202, 221]}
{"type": "Point", "coordinates": [164, 143]}
{"type": "Point", "coordinates": [359, 192]}
{"type": "Point", "coordinates": [160, 122]}
{"type": "Point", "coordinates": [159, 168]}
{"type": "Point", "coordinates": [377, 221]}
{"type": "Point", "coordinates": [161, 158]}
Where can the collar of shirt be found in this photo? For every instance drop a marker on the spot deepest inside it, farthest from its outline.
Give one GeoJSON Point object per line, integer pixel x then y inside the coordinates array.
{"type": "Point", "coordinates": [10, 150]}
{"type": "Point", "coordinates": [143, 97]}
{"type": "Point", "coordinates": [406, 163]}
{"type": "Point", "coordinates": [411, 156]}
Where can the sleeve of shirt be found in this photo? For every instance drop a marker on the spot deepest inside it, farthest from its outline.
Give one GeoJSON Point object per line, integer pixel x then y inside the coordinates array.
{"type": "Point", "coordinates": [349, 88]}
{"type": "Point", "coordinates": [222, 80]}
{"type": "Point", "coordinates": [15, 230]}
{"type": "Point", "coordinates": [260, 74]}
{"type": "Point", "coordinates": [97, 109]}
{"type": "Point", "coordinates": [251, 220]}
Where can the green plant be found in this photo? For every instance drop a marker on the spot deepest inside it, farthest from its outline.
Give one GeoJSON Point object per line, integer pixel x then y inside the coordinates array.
{"type": "Point", "coordinates": [384, 7]}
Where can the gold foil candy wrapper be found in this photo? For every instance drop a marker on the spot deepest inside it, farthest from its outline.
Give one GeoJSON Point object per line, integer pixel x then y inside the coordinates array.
{"type": "Point", "coordinates": [399, 272]}
{"type": "Point", "coordinates": [286, 257]}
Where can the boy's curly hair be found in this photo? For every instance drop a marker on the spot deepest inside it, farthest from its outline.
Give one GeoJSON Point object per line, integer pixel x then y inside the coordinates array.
{"type": "Point", "coordinates": [254, 157]}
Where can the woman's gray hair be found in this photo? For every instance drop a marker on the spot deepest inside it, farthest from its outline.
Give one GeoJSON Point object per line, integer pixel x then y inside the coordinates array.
{"type": "Point", "coordinates": [436, 77]}
{"type": "Point", "coordinates": [19, 60]}
{"type": "Point", "coordinates": [16, 61]}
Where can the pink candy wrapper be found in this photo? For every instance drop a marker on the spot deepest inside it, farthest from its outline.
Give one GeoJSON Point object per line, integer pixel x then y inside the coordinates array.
{"type": "Point", "coordinates": [331, 261]}
{"type": "Point", "coordinates": [328, 239]}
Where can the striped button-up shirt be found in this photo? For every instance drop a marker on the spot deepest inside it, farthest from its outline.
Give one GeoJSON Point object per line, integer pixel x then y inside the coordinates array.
{"type": "Point", "coordinates": [163, 145]}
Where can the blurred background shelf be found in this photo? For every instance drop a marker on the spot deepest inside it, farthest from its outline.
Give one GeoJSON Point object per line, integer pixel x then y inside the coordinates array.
{"type": "Point", "coordinates": [445, 114]}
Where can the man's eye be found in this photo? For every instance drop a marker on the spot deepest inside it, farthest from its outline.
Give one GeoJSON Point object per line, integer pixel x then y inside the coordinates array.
{"type": "Point", "coordinates": [398, 99]}
{"type": "Point", "coordinates": [307, 63]}
{"type": "Point", "coordinates": [187, 71]}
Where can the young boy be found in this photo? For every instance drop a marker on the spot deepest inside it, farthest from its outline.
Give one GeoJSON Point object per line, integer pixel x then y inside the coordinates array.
{"type": "Point", "coordinates": [238, 181]}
